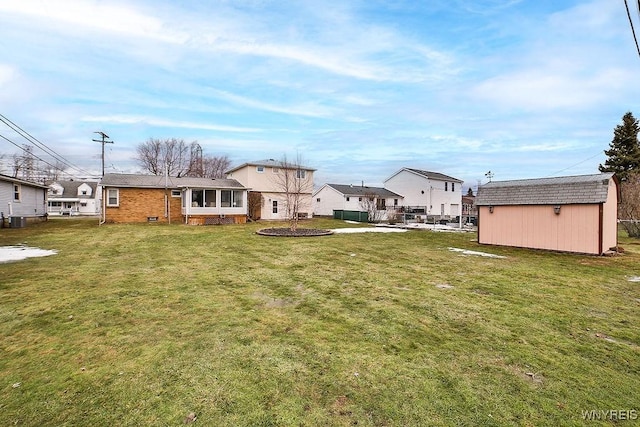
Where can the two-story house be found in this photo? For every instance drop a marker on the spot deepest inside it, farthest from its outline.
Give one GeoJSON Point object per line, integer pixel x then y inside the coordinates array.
{"type": "Point", "coordinates": [277, 188]}
{"type": "Point", "coordinates": [427, 193]}
{"type": "Point", "coordinates": [73, 198]}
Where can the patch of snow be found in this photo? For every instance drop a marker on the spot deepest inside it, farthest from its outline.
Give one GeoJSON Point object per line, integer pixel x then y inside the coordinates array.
{"type": "Point", "coordinates": [444, 286]}
{"type": "Point", "coordinates": [368, 230]}
{"type": "Point", "coordinates": [476, 253]}
{"type": "Point", "coordinates": [431, 227]}
{"type": "Point", "coordinates": [18, 253]}
{"type": "Point", "coordinates": [634, 279]}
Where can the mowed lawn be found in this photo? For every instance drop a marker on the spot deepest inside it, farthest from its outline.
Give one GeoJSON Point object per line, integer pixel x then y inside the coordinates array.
{"type": "Point", "coordinates": [135, 325]}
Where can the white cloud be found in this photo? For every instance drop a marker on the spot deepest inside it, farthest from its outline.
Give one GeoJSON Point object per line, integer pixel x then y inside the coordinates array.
{"type": "Point", "coordinates": [306, 109]}
{"type": "Point", "coordinates": [7, 74]}
{"type": "Point", "coordinates": [94, 15]}
{"type": "Point", "coordinates": [151, 121]}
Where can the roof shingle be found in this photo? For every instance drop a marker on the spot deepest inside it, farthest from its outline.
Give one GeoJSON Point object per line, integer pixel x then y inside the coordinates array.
{"type": "Point", "coordinates": [158, 181]}
{"type": "Point", "coordinates": [355, 190]}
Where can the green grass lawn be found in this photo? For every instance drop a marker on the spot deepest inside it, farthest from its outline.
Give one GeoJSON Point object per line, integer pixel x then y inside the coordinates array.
{"type": "Point", "coordinates": [135, 325]}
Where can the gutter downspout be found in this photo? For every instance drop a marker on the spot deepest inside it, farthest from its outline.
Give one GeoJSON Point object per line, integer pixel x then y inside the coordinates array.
{"type": "Point", "coordinates": [186, 206]}
{"type": "Point", "coordinates": [103, 215]}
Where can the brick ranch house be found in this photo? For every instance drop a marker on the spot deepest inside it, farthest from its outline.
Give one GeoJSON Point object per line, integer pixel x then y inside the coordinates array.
{"type": "Point", "coordinates": [568, 214]}
{"type": "Point", "coordinates": [129, 198]}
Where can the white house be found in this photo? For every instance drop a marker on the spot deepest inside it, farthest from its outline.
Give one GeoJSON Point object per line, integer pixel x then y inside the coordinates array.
{"type": "Point", "coordinates": [22, 199]}
{"type": "Point", "coordinates": [73, 198]}
{"type": "Point", "coordinates": [429, 193]}
{"type": "Point", "coordinates": [332, 197]}
{"type": "Point", "coordinates": [271, 182]}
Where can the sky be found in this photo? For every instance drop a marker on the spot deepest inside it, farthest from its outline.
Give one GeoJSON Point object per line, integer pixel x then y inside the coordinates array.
{"type": "Point", "coordinates": [355, 89]}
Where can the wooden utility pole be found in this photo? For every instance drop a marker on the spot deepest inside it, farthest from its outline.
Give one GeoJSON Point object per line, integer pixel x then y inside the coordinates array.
{"type": "Point", "coordinates": [103, 141]}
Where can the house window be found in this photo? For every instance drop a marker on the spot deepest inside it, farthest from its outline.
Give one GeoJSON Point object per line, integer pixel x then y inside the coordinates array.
{"type": "Point", "coordinates": [197, 198]}
{"type": "Point", "coordinates": [237, 199]}
{"type": "Point", "coordinates": [83, 204]}
{"type": "Point", "coordinates": [260, 169]}
{"type": "Point", "coordinates": [395, 202]}
{"type": "Point", "coordinates": [318, 200]}
{"type": "Point", "coordinates": [225, 198]}
{"type": "Point", "coordinates": [446, 188]}
{"type": "Point", "coordinates": [348, 198]}
{"type": "Point", "coordinates": [275, 207]}
{"type": "Point", "coordinates": [55, 204]}
{"type": "Point", "coordinates": [210, 198]}
{"type": "Point", "coordinates": [16, 192]}
{"type": "Point", "coordinates": [301, 173]}
{"type": "Point", "coordinates": [113, 197]}
{"type": "Point", "coordinates": [230, 198]}
{"type": "Point", "coordinates": [276, 170]}
{"type": "Point", "coordinates": [175, 193]}
{"type": "Point", "coordinates": [84, 192]}
{"type": "Point", "coordinates": [381, 204]}
{"type": "Point", "coordinates": [359, 199]}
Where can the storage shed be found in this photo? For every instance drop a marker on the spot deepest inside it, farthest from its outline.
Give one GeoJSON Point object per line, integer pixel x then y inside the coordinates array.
{"type": "Point", "coordinates": [570, 214]}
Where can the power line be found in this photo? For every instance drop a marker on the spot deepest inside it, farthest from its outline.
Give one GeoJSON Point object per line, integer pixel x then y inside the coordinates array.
{"type": "Point", "coordinates": [26, 135]}
{"type": "Point", "coordinates": [633, 31]}
{"type": "Point", "coordinates": [104, 137]}
{"type": "Point", "coordinates": [574, 165]}
{"type": "Point", "coordinates": [28, 152]}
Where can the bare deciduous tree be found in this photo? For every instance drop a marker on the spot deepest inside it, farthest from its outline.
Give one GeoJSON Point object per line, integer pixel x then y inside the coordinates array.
{"type": "Point", "coordinates": [177, 158]}
{"type": "Point", "coordinates": [372, 206]}
{"type": "Point", "coordinates": [293, 181]}
{"type": "Point", "coordinates": [255, 202]}
{"type": "Point", "coordinates": [629, 208]}
{"type": "Point", "coordinates": [215, 166]}
{"type": "Point", "coordinates": [170, 156]}
{"type": "Point", "coordinates": [23, 165]}
{"type": "Point", "coordinates": [53, 172]}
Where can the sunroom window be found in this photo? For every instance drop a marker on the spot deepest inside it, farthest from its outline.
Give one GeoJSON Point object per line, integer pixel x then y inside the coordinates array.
{"type": "Point", "coordinates": [210, 198]}
{"type": "Point", "coordinates": [197, 198]}
{"type": "Point", "coordinates": [230, 198]}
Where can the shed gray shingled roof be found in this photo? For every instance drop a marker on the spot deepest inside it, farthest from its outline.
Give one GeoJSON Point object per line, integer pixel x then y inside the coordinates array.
{"type": "Point", "coordinates": [582, 189]}
{"type": "Point", "coordinates": [355, 190]}
{"type": "Point", "coordinates": [158, 181]}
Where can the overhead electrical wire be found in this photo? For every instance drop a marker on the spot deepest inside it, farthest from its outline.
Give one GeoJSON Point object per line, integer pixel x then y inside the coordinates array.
{"type": "Point", "coordinates": [633, 31]}
{"type": "Point", "coordinates": [576, 164]}
{"type": "Point", "coordinates": [23, 149]}
{"type": "Point", "coordinates": [26, 135]}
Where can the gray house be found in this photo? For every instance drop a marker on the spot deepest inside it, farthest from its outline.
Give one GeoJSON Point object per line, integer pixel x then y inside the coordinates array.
{"type": "Point", "coordinates": [21, 200]}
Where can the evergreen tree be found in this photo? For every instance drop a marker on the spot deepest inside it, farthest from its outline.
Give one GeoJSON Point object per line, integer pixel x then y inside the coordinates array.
{"type": "Point", "coordinates": [623, 155]}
